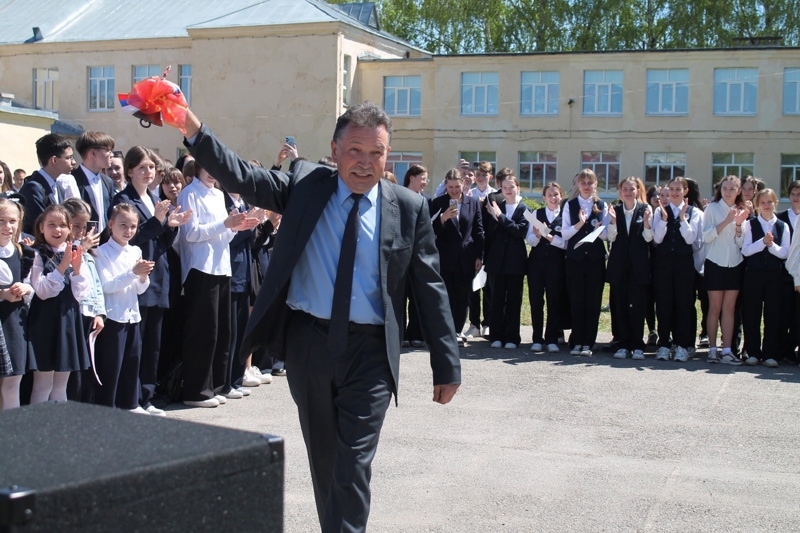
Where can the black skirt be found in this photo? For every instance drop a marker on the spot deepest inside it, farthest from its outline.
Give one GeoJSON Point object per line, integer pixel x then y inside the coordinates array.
{"type": "Point", "coordinates": [719, 278]}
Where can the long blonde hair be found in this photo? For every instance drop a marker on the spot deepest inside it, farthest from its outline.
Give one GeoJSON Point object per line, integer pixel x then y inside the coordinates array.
{"type": "Point", "coordinates": [576, 190]}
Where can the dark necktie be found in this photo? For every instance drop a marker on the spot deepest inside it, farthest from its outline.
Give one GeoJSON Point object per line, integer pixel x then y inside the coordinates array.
{"type": "Point", "coordinates": [342, 289]}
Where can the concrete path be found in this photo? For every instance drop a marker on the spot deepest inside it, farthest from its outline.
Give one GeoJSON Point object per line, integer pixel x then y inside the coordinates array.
{"type": "Point", "coordinates": [562, 443]}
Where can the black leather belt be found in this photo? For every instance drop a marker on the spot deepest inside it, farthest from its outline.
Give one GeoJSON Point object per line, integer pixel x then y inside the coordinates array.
{"type": "Point", "coordinates": [370, 329]}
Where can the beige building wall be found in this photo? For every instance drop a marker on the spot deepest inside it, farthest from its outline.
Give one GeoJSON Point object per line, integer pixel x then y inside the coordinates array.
{"type": "Point", "coordinates": [441, 132]}
{"type": "Point", "coordinates": [18, 134]}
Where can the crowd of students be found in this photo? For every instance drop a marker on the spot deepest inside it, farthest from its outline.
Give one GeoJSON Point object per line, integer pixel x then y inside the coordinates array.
{"type": "Point", "coordinates": [660, 250]}
{"type": "Point", "coordinates": [112, 272]}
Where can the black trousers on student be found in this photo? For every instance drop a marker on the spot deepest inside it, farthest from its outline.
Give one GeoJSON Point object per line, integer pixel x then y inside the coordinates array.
{"type": "Point", "coordinates": [206, 335]}
{"type": "Point", "coordinates": [506, 307]}
{"type": "Point", "coordinates": [458, 291]}
{"type": "Point", "coordinates": [790, 309]}
{"type": "Point", "coordinates": [81, 384]}
{"type": "Point", "coordinates": [585, 282]}
{"type": "Point", "coordinates": [630, 301]}
{"type": "Point", "coordinates": [475, 307]}
{"type": "Point", "coordinates": [546, 280]}
{"type": "Point", "coordinates": [341, 403]}
{"type": "Point", "coordinates": [414, 327]}
{"type": "Point", "coordinates": [674, 290]}
{"type": "Point", "coordinates": [763, 290]}
{"type": "Point", "coordinates": [240, 312]}
{"type": "Point", "coordinates": [151, 325]}
{"type": "Point", "coordinates": [117, 351]}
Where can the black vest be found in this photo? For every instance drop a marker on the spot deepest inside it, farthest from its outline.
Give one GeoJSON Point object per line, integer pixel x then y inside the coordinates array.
{"type": "Point", "coordinates": [629, 256]}
{"type": "Point", "coordinates": [674, 243]}
{"type": "Point", "coordinates": [597, 249]}
{"type": "Point", "coordinates": [764, 260]}
{"type": "Point", "coordinates": [545, 248]}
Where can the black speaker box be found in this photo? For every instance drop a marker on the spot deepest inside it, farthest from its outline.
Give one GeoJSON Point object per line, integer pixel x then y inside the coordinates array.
{"type": "Point", "coordinates": [73, 467]}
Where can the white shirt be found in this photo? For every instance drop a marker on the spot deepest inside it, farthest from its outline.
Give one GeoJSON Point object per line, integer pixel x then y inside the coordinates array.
{"type": "Point", "coordinates": [646, 233]}
{"type": "Point", "coordinates": [723, 249]}
{"type": "Point", "coordinates": [557, 241]}
{"type": "Point", "coordinates": [68, 186]}
{"type": "Point", "coordinates": [793, 219]}
{"type": "Point", "coordinates": [778, 249]}
{"type": "Point", "coordinates": [568, 220]}
{"type": "Point", "coordinates": [480, 195]}
{"type": "Point", "coordinates": [121, 286]}
{"type": "Point", "coordinates": [510, 208]}
{"type": "Point", "coordinates": [6, 252]}
{"type": "Point", "coordinates": [204, 239]}
{"type": "Point", "coordinates": [97, 191]}
{"type": "Point", "coordinates": [691, 229]}
{"type": "Point", "coordinates": [53, 283]}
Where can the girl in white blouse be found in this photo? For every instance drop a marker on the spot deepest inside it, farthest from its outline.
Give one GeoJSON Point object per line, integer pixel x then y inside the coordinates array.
{"type": "Point", "coordinates": [124, 275]}
{"type": "Point", "coordinates": [766, 246]}
{"type": "Point", "coordinates": [723, 268]}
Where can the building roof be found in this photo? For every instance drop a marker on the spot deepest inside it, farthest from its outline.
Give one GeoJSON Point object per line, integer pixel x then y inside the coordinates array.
{"type": "Point", "coordinates": [103, 20]}
{"type": "Point", "coordinates": [365, 12]}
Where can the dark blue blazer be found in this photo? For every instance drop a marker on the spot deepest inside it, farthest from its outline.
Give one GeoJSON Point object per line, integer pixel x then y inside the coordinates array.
{"type": "Point", "coordinates": [87, 195]}
{"type": "Point", "coordinates": [154, 238]}
{"type": "Point", "coordinates": [507, 253]}
{"type": "Point", "coordinates": [38, 195]}
{"type": "Point", "coordinates": [459, 241]}
{"type": "Point", "coordinates": [241, 255]}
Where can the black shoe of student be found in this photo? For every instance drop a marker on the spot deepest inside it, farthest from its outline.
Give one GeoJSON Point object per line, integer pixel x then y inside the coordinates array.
{"type": "Point", "coordinates": [652, 339]}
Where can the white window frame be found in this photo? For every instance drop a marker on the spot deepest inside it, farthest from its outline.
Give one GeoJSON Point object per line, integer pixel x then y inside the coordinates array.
{"type": "Point", "coordinates": [185, 82]}
{"type": "Point", "coordinates": [663, 89]}
{"type": "Point", "coordinates": [148, 71]}
{"type": "Point", "coordinates": [604, 92]}
{"type": "Point", "coordinates": [660, 162]}
{"type": "Point", "coordinates": [399, 168]}
{"type": "Point", "coordinates": [409, 86]}
{"type": "Point", "coordinates": [476, 97]}
{"type": "Point", "coordinates": [541, 94]}
{"type": "Point", "coordinates": [49, 85]}
{"type": "Point", "coordinates": [794, 168]}
{"type": "Point", "coordinates": [791, 91]}
{"type": "Point", "coordinates": [347, 65]}
{"type": "Point", "coordinates": [736, 165]}
{"type": "Point", "coordinates": [603, 186]}
{"type": "Point", "coordinates": [104, 85]}
{"type": "Point", "coordinates": [476, 156]}
{"type": "Point", "coordinates": [744, 78]}
{"type": "Point", "coordinates": [527, 165]}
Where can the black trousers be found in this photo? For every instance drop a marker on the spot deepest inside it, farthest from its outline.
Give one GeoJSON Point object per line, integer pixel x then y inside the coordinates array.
{"type": "Point", "coordinates": [117, 351]}
{"type": "Point", "coordinates": [546, 280]}
{"type": "Point", "coordinates": [585, 283]}
{"type": "Point", "coordinates": [240, 312]}
{"type": "Point", "coordinates": [341, 403]}
{"type": "Point", "coordinates": [475, 307]}
{"type": "Point", "coordinates": [763, 292]}
{"type": "Point", "coordinates": [506, 307]}
{"type": "Point", "coordinates": [702, 296]}
{"type": "Point", "coordinates": [790, 299]}
{"type": "Point", "coordinates": [674, 290]}
{"type": "Point", "coordinates": [152, 322]}
{"type": "Point", "coordinates": [458, 291]}
{"type": "Point", "coordinates": [414, 327]}
{"type": "Point", "coordinates": [81, 384]}
{"type": "Point", "coordinates": [630, 301]}
{"type": "Point", "coordinates": [206, 335]}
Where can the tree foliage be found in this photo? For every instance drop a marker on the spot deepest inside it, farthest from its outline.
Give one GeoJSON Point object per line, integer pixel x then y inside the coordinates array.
{"type": "Point", "coordinates": [483, 26]}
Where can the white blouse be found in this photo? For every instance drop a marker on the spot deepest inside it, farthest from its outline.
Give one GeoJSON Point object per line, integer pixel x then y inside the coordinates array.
{"type": "Point", "coordinates": [723, 249]}
{"type": "Point", "coordinates": [53, 283]}
{"type": "Point", "coordinates": [121, 286]}
{"type": "Point", "coordinates": [778, 249]}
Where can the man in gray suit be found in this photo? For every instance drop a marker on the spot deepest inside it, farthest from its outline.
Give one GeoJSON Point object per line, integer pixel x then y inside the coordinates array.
{"type": "Point", "coordinates": [332, 304]}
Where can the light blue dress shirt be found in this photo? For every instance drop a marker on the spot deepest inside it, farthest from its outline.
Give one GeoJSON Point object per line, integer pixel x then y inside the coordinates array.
{"type": "Point", "coordinates": [311, 286]}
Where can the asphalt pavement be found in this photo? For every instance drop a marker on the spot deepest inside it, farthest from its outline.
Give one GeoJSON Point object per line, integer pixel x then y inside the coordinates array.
{"type": "Point", "coordinates": [554, 442]}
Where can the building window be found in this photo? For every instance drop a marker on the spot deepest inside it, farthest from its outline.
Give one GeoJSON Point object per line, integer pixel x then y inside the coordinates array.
{"type": "Point", "coordinates": [790, 171]}
{"type": "Point", "coordinates": [668, 92]}
{"type": "Point", "coordinates": [735, 91]}
{"type": "Point", "coordinates": [539, 93]}
{"type": "Point", "coordinates": [477, 157]}
{"type": "Point", "coordinates": [185, 82]}
{"type": "Point", "coordinates": [45, 89]}
{"type": "Point", "coordinates": [346, 79]}
{"type": "Point", "coordinates": [660, 167]}
{"type": "Point", "coordinates": [398, 162]}
{"type": "Point", "coordinates": [791, 91]}
{"type": "Point", "coordinates": [726, 164]}
{"type": "Point", "coordinates": [401, 95]}
{"type": "Point", "coordinates": [479, 93]}
{"type": "Point", "coordinates": [142, 72]}
{"type": "Point", "coordinates": [602, 92]}
{"type": "Point", "coordinates": [606, 166]}
{"type": "Point", "coordinates": [536, 169]}
{"type": "Point", "coordinates": [101, 89]}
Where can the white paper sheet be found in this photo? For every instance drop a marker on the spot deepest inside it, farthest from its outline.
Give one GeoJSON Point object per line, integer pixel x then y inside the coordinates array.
{"type": "Point", "coordinates": [591, 237]}
{"type": "Point", "coordinates": [93, 337]}
{"type": "Point", "coordinates": [479, 280]}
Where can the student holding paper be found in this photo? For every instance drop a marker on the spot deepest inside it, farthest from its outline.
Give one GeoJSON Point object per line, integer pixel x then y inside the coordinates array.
{"type": "Point", "coordinates": [584, 230]}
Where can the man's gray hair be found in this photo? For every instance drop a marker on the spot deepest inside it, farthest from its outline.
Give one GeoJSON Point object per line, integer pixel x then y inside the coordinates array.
{"type": "Point", "coordinates": [365, 114]}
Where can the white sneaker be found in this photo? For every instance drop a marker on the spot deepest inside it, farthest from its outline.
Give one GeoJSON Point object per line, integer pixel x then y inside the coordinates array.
{"type": "Point", "coordinates": [139, 410]}
{"type": "Point", "coordinates": [536, 347]}
{"type": "Point", "coordinates": [681, 355]}
{"type": "Point", "coordinates": [752, 361]}
{"type": "Point", "coordinates": [472, 331]}
{"type": "Point", "coordinates": [497, 344]}
{"type": "Point", "coordinates": [210, 402]}
{"type": "Point", "coordinates": [622, 353]}
{"type": "Point", "coordinates": [638, 355]}
{"type": "Point", "coordinates": [233, 394]}
{"type": "Point", "coordinates": [265, 379]}
{"type": "Point", "coordinates": [485, 331]}
{"type": "Point", "coordinates": [553, 348]}
{"type": "Point", "coordinates": [730, 359]}
{"type": "Point", "coordinates": [662, 354]}
{"type": "Point", "coordinates": [155, 411]}
{"type": "Point", "coordinates": [575, 351]}
{"type": "Point", "coordinates": [249, 380]}
{"type": "Point", "coordinates": [772, 363]}
{"type": "Point", "coordinates": [221, 399]}
{"type": "Point", "coordinates": [586, 351]}
{"type": "Point", "coordinates": [244, 391]}
{"type": "Point", "coordinates": [510, 346]}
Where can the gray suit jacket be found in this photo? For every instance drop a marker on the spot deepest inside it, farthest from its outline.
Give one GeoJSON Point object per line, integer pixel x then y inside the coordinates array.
{"type": "Point", "coordinates": [407, 251]}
